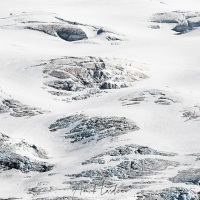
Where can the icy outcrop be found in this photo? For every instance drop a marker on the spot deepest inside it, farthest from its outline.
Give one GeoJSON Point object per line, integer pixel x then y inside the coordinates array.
{"type": "Point", "coordinates": [81, 127]}
{"type": "Point", "coordinates": [41, 190]}
{"type": "Point", "coordinates": [120, 153]}
{"type": "Point", "coordinates": [15, 154]}
{"type": "Point", "coordinates": [184, 21]}
{"type": "Point", "coordinates": [68, 33]}
{"type": "Point", "coordinates": [126, 167]}
{"type": "Point", "coordinates": [55, 26]}
{"type": "Point", "coordinates": [168, 17]}
{"type": "Point", "coordinates": [17, 145]}
{"type": "Point", "coordinates": [87, 76]}
{"type": "Point", "coordinates": [169, 193]}
{"type": "Point", "coordinates": [192, 113]}
{"type": "Point", "coordinates": [160, 97]}
{"type": "Point", "coordinates": [17, 109]}
{"type": "Point", "coordinates": [190, 176]}
{"type": "Point", "coordinates": [129, 169]}
{"type": "Point", "coordinates": [10, 160]}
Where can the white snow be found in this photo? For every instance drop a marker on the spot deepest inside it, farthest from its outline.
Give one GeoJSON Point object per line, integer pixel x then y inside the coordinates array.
{"type": "Point", "coordinates": [172, 62]}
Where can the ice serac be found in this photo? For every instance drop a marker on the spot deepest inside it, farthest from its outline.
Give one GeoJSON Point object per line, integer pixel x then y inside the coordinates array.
{"type": "Point", "coordinates": [184, 21]}
{"type": "Point", "coordinates": [159, 97]}
{"type": "Point", "coordinates": [189, 176]}
{"type": "Point", "coordinates": [128, 167]}
{"type": "Point", "coordinates": [122, 153]}
{"type": "Point", "coordinates": [85, 128]}
{"type": "Point", "coordinates": [16, 155]}
{"type": "Point", "coordinates": [86, 76]}
{"type": "Point", "coordinates": [169, 193]}
{"type": "Point", "coordinates": [16, 108]}
{"type": "Point", "coordinates": [66, 30]}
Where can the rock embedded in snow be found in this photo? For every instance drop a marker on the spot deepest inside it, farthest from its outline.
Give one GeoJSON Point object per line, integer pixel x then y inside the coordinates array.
{"type": "Point", "coordinates": [190, 176]}
{"type": "Point", "coordinates": [58, 27]}
{"type": "Point", "coordinates": [184, 21]}
{"type": "Point", "coordinates": [119, 154]}
{"type": "Point", "coordinates": [66, 122]}
{"type": "Point", "coordinates": [18, 145]}
{"type": "Point", "coordinates": [129, 169]}
{"type": "Point", "coordinates": [192, 113]}
{"type": "Point", "coordinates": [10, 160]}
{"type": "Point", "coordinates": [88, 76]}
{"type": "Point", "coordinates": [41, 190]}
{"type": "Point", "coordinates": [68, 33]}
{"type": "Point", "coordinates": [169, 194]}
{"type": "Point", "coordinates": [124, 163]}
{"type": "Point", "coordinates": [13, 155]}
{"type": "Point", "coordinates": [81, 127]}
{"type": "Point", "coordinates": [168, 17]}
{"type": "Point", "coordinates": [17, 109]}
{"type": "Point", "coordinates": [160, 97]}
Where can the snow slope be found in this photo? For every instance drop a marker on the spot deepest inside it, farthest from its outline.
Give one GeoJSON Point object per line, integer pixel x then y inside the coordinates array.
{"type": "Point", "coordinates": [165, 105]}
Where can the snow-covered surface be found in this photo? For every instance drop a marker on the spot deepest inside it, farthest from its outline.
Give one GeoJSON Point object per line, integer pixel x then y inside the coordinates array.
{"type": "Point", "coordinates": [170, 61]}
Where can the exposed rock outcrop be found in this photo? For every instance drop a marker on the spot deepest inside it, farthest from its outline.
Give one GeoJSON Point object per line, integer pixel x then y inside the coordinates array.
{"type": "Point", "coordinates": [13, 155]}
{"type": "Point", "coordinates": [120, 153]}
{"type": "Point", "coordinates": [87, 76]}
{"type": "Point", "coordinates": [190, 176]}
{"type": "Point", "coordinates": [68, 33]}
{"type": "Point", "coordinates": [10, 160]}
{"type": "Point", "coordinates": [184, 21]}
{"type": "Point", "coordinates": [168, 194]}
{"type": "Point", "coordinates": [58, 27]}
{"type": "Point", "coordinates": [160, 97]}
{"type": "Point", "coordinates": [129, 169]}
{"type": "Point", "coordinates": [81, 127]}
{"type": "Point", "coordinates": [20, 110]}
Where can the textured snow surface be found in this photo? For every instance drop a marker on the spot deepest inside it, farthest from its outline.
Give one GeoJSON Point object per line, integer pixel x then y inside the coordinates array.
{"type": "Point", "coordinates": [99, 100]}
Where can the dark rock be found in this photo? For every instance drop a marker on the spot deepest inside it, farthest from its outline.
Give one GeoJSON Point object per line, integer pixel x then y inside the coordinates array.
{"type": "Point", "coordinates": [71, 34]}
{"type": "Point", "coordinates": [66, 30]}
